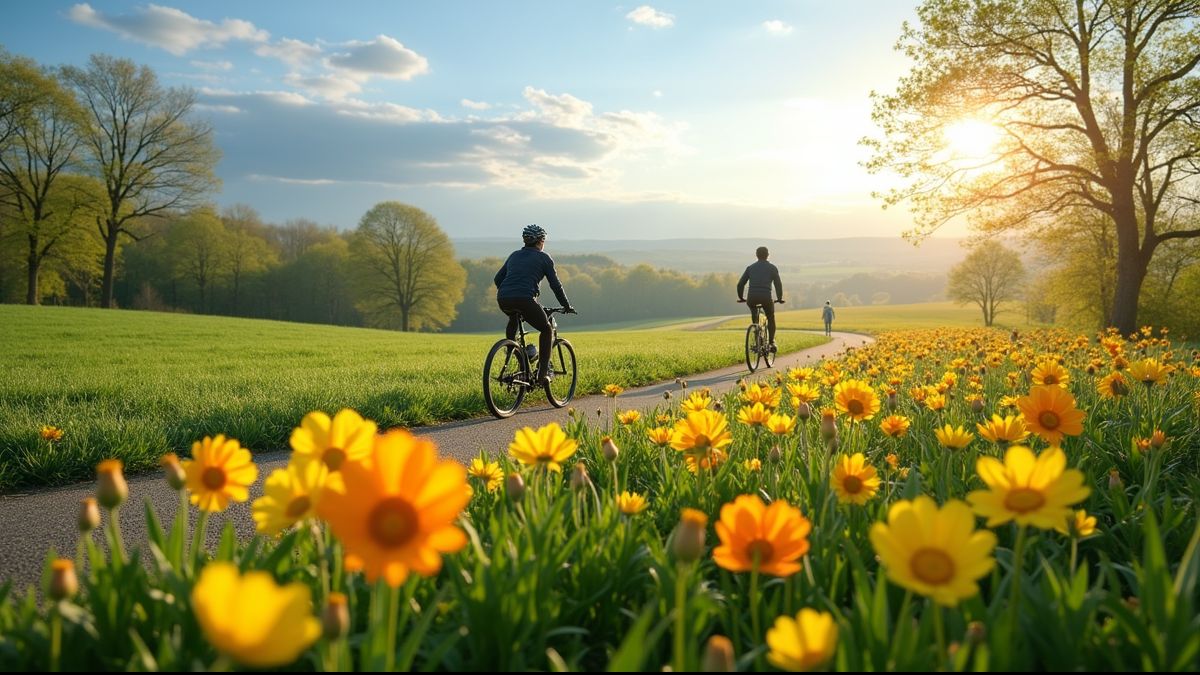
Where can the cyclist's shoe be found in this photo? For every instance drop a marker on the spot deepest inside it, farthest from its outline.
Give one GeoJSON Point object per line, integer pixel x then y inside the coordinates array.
{"type": "Point", "coordinates": [545, 378]}
{"type": "Point", "coordinates": [773, 348]}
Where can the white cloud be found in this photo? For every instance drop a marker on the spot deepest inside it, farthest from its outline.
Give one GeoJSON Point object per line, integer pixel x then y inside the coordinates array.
{"type": "Point", "coordinates": [218, 108]}
{"type": "Point", "coordinates": [213, 65]}
{"type": "Point", "coordinates": [559, 109]}
{"type": "Point", "coordinates": [648, 16]}
{"type": "Point", "coordinates": [295, 53]}
{"type": "Point", "coordinates": [388, 112]}
{"type": "Point", "coordinates": [503, 134]}
{"type": "Point", "coordinates": [658, 93]}
{"type": "Point", "coordinates": [475, 105]}
{"type": "Point", "coordinates": [383, 57]}
{"type": "Point", "coordinates": [327, 86]}
{"type": "Point", "coordinates": [777, 27]}
{"type": "Point", "coordinates": [168, 28]}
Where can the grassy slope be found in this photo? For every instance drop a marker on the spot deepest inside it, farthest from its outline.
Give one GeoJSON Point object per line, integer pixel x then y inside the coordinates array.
{"type": "Point", "coordinates": [137, 384]}
{"type": "Point", "coordinates": [879, 318]}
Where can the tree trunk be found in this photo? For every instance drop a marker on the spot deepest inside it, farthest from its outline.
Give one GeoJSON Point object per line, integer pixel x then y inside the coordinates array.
{"type": "Point", "coordinates": [31, 296]}
{"type": "Point", "coordinates": [404, 319]}
{"type": "Point", "coordinates": [1132, 262]}
{"type": "Point", "coordinates": [110, 264]}
{"type": "Point", "coordinates": [1131, 272]}
{"type": "Point", "coordinates": [236, 277]}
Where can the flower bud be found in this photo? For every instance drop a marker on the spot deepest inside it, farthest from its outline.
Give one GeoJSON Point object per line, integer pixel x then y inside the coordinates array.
{"type": "Point", "coordinates": [688, 545]}
{"type": "Point", "coordinates": [976, 405]}
{"type": "Point", "coordinates": [609, 449]}
{"type": "Point", "coordinates": [1114, 480]}
{"type": "Point", "coordinates": [111, 489]}
{"type": "Point", "coordinates": [718, 656]}
{"type": "Point", "coordinates": [515, 486]}
{"type": "Point", "coordinates": [63, 582]}
{"type": "Point", "coordinates": [579, 477]}
{"type": "Point", "coordinates": [775, 455]}
{"type": "Point", "coordinates": [804, 411]}
{"type": "Point", "coordinates": [828, 426]}
{"type": "Point", "coordinates": [976, 633]}
{"type": "Point", "coordinates": [89, 515]}
{"type": "Point", "coordinates": [335, 620]}
{"type": "Point", "coordinates": [176, 477]}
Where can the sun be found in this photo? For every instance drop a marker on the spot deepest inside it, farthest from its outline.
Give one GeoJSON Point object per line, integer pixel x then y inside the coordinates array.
{"type": "Point", "coordinates": [971, 139]}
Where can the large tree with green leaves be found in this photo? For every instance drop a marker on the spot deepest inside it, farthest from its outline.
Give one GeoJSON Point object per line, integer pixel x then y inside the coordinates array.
{"type": "Point", "coordinates": [408, 274]}
{"type": "Point", "coordinates": [1095, 105]}
{"type": "Point", "coordinates": [152, 158]}
{"type": "Point", "coordinates": [43, 142]}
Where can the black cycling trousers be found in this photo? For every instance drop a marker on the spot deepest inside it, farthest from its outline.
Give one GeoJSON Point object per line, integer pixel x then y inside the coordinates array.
{"type": "Point", "coordinates": [768, 308]}
{"type": "Point", "coordinates": [535, 316]}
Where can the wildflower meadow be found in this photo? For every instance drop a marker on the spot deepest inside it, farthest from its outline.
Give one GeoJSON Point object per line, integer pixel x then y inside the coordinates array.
{"type": "Point", "coordinates": [952, 499]}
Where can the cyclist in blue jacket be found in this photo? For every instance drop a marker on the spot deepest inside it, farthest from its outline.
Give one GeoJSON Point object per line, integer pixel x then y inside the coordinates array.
{"type": "Point", "coordinates": [517, 289]}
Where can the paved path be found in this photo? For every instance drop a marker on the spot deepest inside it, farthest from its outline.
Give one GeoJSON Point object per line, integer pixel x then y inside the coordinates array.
{"type": "Point", "coordinates": [32, 523]}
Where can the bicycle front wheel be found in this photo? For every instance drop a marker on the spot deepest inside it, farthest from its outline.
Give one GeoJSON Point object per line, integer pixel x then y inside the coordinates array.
{"type": "Point", "coordinates": [767, 355]}
{"type": "Point", "coordinates": [505, 378]}
{"type": "Point", "coordinates": [561, 388]}
{"type": "Point", "coordinates": [752, 355]}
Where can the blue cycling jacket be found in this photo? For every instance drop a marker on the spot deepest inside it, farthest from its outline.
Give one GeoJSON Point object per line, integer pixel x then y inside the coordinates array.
{"type": "Point", "coordinates": [522, 274]}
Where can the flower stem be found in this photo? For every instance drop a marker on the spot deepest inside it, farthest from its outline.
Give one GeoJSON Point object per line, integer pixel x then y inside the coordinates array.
{"type": "Point", "coordinates": [393, 619]}
{"type": "Point", "coordinates": [114, 536]}
{"type": "Point", "coordinates": [755, 622]}
{"type": "Point", "coordinates": [1015, 602]}
{"type": "Point", "coordinates": [198, 540]}
{"type": "Point", "coordinates": [55, 639]}
{"type": "Point", "coordinates": [679, 663]}
{"type": "Point", "coordinates": [940, 629]}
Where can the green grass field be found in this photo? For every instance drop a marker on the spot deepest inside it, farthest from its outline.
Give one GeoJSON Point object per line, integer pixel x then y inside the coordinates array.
{"type": "Point", "coordinates": [879, 318]}
{"type": "Point", "coordinates": [137, 384]}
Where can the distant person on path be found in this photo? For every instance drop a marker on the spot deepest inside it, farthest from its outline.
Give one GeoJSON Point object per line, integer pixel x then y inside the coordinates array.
{"type": "Point", "coordinates": [827, 315]}
{"type": "Point", "coordinates": [761, 276]}
{"type": "Point", "coordinates": [517, 289]}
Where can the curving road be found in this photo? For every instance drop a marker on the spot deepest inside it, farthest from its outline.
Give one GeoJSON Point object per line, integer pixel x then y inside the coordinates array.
{"type": "Point", "coordinates": [33, 522]}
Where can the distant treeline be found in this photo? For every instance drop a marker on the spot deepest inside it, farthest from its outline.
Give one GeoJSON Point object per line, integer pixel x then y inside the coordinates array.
{"type": "Point", "coordinates": [232, 263]}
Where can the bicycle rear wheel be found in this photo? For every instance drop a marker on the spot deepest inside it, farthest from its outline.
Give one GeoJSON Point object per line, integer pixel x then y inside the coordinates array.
{"type": "Point", "coordinates": [561, 388]}
{"type": "Point", "coordinates": [767, 355]}
{"type": "Point", "coordinates": [505, 378]}
{"type": "Point", "coordinates": [752, 353]}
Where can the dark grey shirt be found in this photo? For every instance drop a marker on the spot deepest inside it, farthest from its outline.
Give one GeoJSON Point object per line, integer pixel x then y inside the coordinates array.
{"type": "Point", "coordinates": [523, 272]}
{"type": "Point", "coordinates": [761, 275]}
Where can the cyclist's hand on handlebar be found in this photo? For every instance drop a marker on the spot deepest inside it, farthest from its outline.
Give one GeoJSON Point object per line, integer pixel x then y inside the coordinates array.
{"type": "Point", "coordinates": [569, 310]}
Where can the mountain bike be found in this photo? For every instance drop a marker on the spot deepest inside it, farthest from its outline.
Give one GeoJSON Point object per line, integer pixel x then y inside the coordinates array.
{"type": "Point", "coordinates": [510, 370]}
{"type": "Point", "coordinates": [758, 344]}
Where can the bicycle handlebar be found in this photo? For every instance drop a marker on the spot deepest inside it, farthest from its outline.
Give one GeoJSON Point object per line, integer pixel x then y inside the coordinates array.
{"type": "Point", "coordinates": [560, 310]}
{"type": "Point", "coordinates": [778, 302]}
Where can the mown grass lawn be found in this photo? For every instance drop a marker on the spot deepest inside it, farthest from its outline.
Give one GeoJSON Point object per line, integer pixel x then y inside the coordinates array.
{"type": "Point", "coordinates": [134, 385]}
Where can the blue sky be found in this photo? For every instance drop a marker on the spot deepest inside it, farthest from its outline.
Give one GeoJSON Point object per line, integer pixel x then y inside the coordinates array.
{"type": "Point", "coordinates": [595, 119]}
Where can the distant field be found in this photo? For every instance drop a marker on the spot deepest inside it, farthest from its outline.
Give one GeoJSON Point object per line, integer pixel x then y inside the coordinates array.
{"type": "Point", "coordinates": [137, 384]}
{"type": "Point", "coordinates": [879, 318]}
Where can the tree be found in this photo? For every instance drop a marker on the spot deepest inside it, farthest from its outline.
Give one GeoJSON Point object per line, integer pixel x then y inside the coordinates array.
{"type": "Point", "coordinates": [247, 252]}
{"type": "Point", "coordinates": [151, 158]}
{"type": "Point", "coordinates": [1095, 104]}
{"type": "Point", "coordinates": [43, 142]}
{"type": "Point", "coordinates": [198, 247]}
{"type": "Point", "coordinates": [409, 275]}
{"type": "Point", "coordinates": [990, 276]}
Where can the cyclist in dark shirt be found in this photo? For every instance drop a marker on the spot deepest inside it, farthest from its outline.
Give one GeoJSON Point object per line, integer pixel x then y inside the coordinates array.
{"type": "Point", "coordinates": [517, 285]}
{"type": "Point", "coordinates": [761, 276]}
